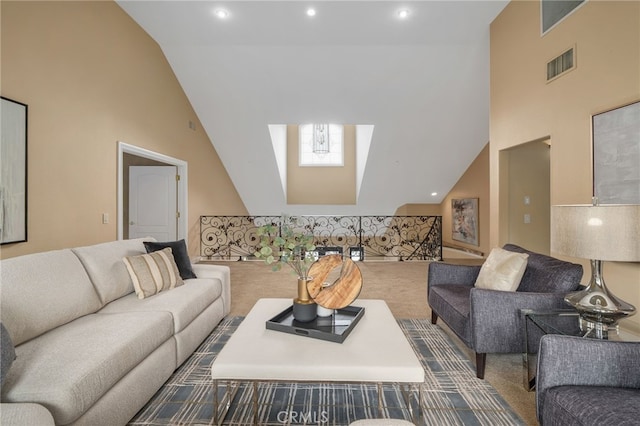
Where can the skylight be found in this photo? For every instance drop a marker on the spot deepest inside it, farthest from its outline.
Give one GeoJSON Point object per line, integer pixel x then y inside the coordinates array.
{"type": "Point", "coordinates": [321, 145]}
{"type": "Point", "coordinates": [363, 137]}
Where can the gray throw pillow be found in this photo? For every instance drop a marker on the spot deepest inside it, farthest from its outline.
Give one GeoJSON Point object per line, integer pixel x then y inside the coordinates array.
{"type": "Point", "coordinates": [8, 352]}
{"type": "Point", "coordinates": [180, 255]}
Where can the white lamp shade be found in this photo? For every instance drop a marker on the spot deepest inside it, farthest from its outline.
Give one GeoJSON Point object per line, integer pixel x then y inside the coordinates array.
{"type": "Point", "coordinates": [604, 232]}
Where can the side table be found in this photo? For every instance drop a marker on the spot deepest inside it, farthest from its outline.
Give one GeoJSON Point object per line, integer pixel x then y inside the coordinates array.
{"type": "Point", "coordinates": [558, 321]}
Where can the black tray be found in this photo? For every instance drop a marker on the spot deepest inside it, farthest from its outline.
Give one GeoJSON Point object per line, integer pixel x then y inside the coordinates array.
{"type": "Point", "coordinates": [334, 328]}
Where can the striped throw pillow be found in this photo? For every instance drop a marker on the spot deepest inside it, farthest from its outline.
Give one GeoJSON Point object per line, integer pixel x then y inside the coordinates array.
{"type": "Point", "coordinates": [152, 273]}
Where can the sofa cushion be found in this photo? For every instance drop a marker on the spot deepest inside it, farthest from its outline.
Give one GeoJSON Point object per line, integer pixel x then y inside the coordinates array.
{"type": "Point", "coordinates": [101, 348]}
{"type": "Point", "coordinates": [591, 405]}
{"type": "Point", "coordinates": [452, 302]}
{"type": "Point", "coordinates": [180, 255]}
{"type": "Point", "coordinates": [42, 291]}
{"type": "Point", "coordinates": [104, 265]}
{"type": "Point", "coordinates": [502, 270]}
{"type": "Point", "coordinates": [545, 274]}
{"type": "Point", "coordinates": [7, 351]}
{"type": "Point", "coordinates": [153, 272]}
{"type": "Point", "coordinates": [184, 303]}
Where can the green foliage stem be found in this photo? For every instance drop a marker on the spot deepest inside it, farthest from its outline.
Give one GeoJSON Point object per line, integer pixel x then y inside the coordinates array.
{"type": "Point", "coordinates": [285, 245]}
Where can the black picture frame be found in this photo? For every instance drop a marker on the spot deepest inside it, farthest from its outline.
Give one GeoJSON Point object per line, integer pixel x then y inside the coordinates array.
{"type": "Point", "coordinates": [616, 155]}
{"type": "Point", "coordinates": [13, 171]}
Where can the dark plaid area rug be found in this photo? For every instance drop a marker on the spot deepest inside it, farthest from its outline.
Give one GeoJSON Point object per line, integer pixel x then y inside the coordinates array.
{"type": "Point", "coordinates": [451, 394]}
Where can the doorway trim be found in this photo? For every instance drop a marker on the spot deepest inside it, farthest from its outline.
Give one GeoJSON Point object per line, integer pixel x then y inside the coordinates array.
{"type": "Point", "coordinates": [125, 148]}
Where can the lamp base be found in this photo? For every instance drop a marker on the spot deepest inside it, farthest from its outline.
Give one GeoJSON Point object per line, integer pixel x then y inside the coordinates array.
{"type": "Point", "coordinates": [599, 309]}
{"type": "Point", "coordinates": [596, 329]}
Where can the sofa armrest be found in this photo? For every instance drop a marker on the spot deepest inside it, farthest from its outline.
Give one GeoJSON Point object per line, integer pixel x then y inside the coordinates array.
{"type": "Point", "coordinates": [20, 414]}
{"type": "Point", "coordinates": [568, 360]}
{"type": "Point", "coordinates": [446, 273]}
{"type": "Point", "coordinates": [496, 321]}
{"type": "Point", "coordinates": [223, 273]}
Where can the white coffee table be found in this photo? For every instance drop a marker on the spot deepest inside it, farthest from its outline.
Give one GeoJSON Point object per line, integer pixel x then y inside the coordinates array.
{"type": "Point", "coordinates": [376, 351]}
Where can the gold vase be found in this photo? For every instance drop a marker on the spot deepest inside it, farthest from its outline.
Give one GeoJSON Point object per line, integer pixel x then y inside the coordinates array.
{"type": "Point", "coordinates": [304, 307]}
{"type": "Point", "coordinates": [303, 293]}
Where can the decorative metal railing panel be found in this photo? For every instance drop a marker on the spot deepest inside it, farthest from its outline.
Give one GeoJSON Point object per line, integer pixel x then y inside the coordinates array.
{"type": "Point", "coordinates": [402, 237]}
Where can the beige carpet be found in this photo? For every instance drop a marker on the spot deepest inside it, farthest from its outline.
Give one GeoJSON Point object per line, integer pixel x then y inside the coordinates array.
{"type": "Point", "coordinates": [403, 285]}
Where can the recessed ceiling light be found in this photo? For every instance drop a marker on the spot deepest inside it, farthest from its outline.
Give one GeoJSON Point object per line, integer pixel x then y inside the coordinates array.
{"type": "Point", "coordinates": [311, 12]}
{"type": "Point", "coordinates": [403, 13]}
{"type": "Point", "coordinates": [433, 194]}
{"type": "Point", "coordinates": [221, 13]}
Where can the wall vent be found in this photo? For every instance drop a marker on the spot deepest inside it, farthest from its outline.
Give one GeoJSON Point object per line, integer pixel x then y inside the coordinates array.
{"type": "Point", "coordinates": [561, 64]}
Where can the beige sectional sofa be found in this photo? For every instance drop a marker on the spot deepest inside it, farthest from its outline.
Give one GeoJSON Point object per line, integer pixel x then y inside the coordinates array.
{"type": "Point", "coordinates": [87, 348]}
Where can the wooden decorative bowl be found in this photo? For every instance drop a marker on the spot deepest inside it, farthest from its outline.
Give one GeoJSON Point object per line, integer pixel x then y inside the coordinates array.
{"type": "Point", "coordinates": [343, 291]}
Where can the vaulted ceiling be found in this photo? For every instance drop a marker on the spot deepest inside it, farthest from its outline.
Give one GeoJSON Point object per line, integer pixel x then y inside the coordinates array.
{"type": "Point", "coordinates": [422, 81]}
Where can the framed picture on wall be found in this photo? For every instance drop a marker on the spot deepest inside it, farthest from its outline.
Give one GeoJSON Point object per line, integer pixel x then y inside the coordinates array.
{"type": "Point", "coordinates": [13, 172]}
{"type": "Point", "coordinates": [616, 155]}
{"type": "Point", "coordinates": [552, 12]}
{"type": "Point", "coordinates": [464, 220]}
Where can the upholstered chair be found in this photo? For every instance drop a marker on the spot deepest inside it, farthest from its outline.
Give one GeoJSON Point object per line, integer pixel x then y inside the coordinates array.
{"type": "Point", "coordinates": [587, 381]}
{"type": "Point", "coordinates": [489, 321]}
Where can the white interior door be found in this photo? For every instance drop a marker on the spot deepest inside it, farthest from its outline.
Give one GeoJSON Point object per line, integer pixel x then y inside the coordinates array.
{"type": "Point", "coordinates": [153, 212]}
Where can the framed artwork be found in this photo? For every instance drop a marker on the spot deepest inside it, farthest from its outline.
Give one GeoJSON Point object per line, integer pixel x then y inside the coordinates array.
{"type": "Point", "coordinates": [552, 12]}
{"type": "Point", "coordinates": [464, 220]}
{"type": "Point", "coordinates": [616, 155]}
{"type": "Point", "coordinates": [13, 172]}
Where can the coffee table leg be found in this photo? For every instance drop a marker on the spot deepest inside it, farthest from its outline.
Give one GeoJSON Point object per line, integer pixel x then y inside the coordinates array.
{"type": "Point", "coordinates": [380, 408]}
{"type": "Point", "coordinates": [231, 389]}
{"type": "Point", "coordinates": [255, 402]}
{"type": "Point", "coordinates": [407, 394]}
{"type": "Point", "coordinates": [216, 402]}
{"type": "Point", "coordinates": [419, 403]}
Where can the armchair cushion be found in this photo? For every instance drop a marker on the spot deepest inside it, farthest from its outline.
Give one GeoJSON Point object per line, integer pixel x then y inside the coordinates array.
{"type": "Point", "coordinates": [452, 302]}
{"type": "Point", "coordinates": [502, 270]}
{"type": "Point", "coordinates": [591, 405]}
{"type": "Point", "coordinates": [445, 273]}
{"type": "Point", "coordinates": [546, 274]}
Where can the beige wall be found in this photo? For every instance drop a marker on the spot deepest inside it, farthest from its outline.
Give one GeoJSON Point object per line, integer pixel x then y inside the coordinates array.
{"type": "Point", "coordinates": [415, 209]}
{"type": "Point", "coordinates": [525, 108]}
{"type": "Point", "coordinates": [321, 185]}
{"type": "Point", "coordinates": [474, 183]}
{"type": "Point", "coordinates": [527, 167]}
{"type": "Point", "coordinates": [92, 77]}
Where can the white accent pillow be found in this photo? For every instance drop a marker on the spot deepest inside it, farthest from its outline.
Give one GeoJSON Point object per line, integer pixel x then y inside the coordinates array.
{"type": "Point", "coordinates": [502, 270]}
{"type": "Point", "coordinates": [154, 272]}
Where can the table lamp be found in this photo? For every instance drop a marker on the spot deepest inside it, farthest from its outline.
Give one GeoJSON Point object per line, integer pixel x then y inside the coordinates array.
{"type": "Point", "coordinates": [600, 233]}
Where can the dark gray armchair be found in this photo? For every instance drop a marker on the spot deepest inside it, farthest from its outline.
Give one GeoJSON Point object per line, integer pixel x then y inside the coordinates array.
{"type": "Point", "coordinates": [489, 321]}
{"type": "Point", "coordinates": [587, 382]}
